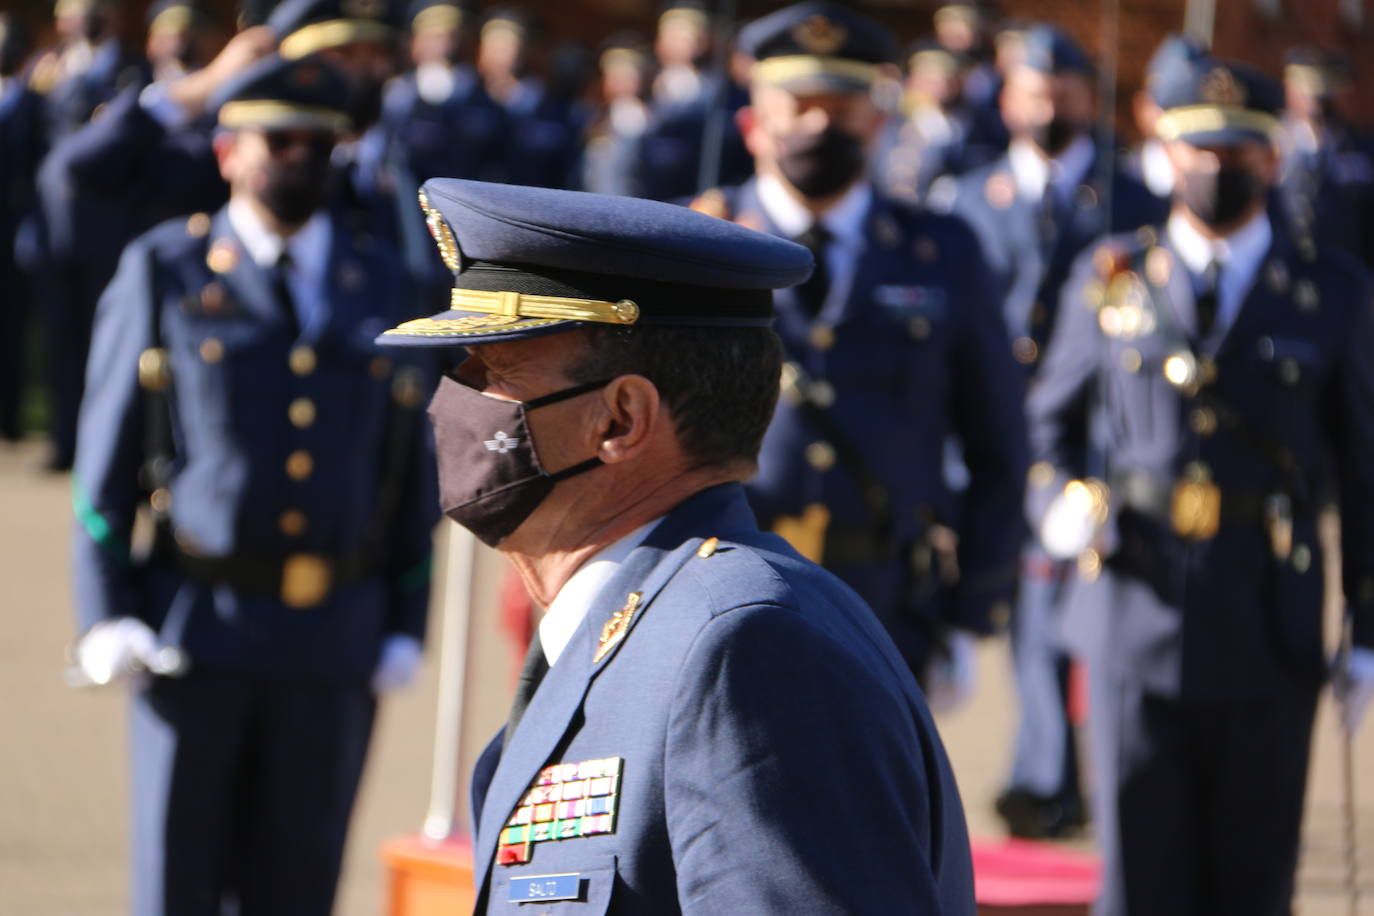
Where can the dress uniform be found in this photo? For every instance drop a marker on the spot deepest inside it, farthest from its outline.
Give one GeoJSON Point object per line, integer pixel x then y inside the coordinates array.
{"type": "Point", "coordinates": [726, 727]}
{"type": "Point", "coordinates": [895, 350]}
{"type": "Point", "coordinates": [1033, 210]}
{"type": "Point", "coordinates": [1237, 392]}
{"type": "Point", "coordinates": [1326, 188]}
{"type": "Point", "coordinates": [236, 397]}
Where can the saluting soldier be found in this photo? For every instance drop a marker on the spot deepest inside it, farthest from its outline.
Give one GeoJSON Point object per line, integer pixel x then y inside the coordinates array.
{"type": "Point", "coordinates": [236, 397]}
{"type": "Point", "coordinates": [894, 346]}
{"type": "Point", "coordinates": [1326, 182]}
{"type": "Point", "coordinates": [706, 722]}
{"type": "Point", "coordinates": [1033, 210]}
{"type": "Point", "coordinates": [1231, 363]}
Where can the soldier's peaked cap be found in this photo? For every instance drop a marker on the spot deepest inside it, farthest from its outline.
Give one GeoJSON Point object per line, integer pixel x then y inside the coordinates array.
{"type": "Point", "coordinates": [533, 261]}
{"type": "Point", "coordinates": [306, 26]}
{"type": "Point", "coordinates": [1216, 102]}
{"type": "Point", "coordinates": [278, 94]}
{"type": "Point", "coordinates": [817, 46]}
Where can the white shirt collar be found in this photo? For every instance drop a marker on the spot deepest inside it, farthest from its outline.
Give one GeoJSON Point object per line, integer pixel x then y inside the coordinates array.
{"type": "Point", "coordinates": [309, 245]}
{"type": "Point", "coordinates": [1156, 169]}
{"type": "Point", "coordinates": [845, 220]}
{"type": "Point", "coordinates": [1033, 173]}
{"type": "Point", "coordinates": [574, 599]}
{"type": "Point", "coordinates": [1239, 253]}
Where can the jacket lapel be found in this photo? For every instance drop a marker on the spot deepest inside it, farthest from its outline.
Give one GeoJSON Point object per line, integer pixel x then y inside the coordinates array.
{"type": "Point", "coordinates": [248, 284]}
{"type": "Point", "coordinates": [1258, 301]}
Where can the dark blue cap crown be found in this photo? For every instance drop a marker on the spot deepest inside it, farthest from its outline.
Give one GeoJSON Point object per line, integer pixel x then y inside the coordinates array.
{"type": "Point", "coordinates": [1175, 52]}
{"type": "Point", "coordinates": [440, 14]}
{"type": "Point", "coordinates": [1049, 49]}
{"type": "Point", "coordinates": [1215, 102]}
{"type": "Point", "coordinates": [531, 261]}
{"type": "Point", "coordinates": [276, 93]}
{"type": "Point", "coordinates": [307, 26]}
{"type": "Point", "coordinates": [821, 46]}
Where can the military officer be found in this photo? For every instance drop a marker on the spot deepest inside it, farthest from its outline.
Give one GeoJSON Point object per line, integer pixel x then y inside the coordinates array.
{"type": "Point", "coordinates": [1148, 162]}
{"type": "Point", "coordinates": [236, 398]}
{"type": "Point", "coordinates": [707, 722]}
{"type": "Point", "coordinates": [610, 157]}
{"type": "Point", "coordinates": [1033, 210]}
{"type": "Point", "coordinates": [1231, 362]}
{"type": "Point", "coordinates": [1326, 184]}
{"type": "Point", "coordinates": [894, 346]}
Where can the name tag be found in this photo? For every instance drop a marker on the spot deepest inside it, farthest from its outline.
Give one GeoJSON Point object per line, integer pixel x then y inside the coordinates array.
{"type": "Point", "coordinates": [545, 887]}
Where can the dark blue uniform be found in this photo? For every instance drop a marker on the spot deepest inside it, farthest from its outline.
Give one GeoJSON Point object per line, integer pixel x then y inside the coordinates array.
{"type": "Point", "coordinates": [1328, 192]}
{"type": "Point", "coordinates": [914, 355]}
{"type": "Point", "coordinates": [280, 448]}
{"type": "Point", "coordinates": [1206, 652]}
{"type": "Point", "coordinates": [21, 146]}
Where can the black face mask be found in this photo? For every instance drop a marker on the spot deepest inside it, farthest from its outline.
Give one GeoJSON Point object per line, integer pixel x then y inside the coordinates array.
{"type": "Point", "coordinates": [295, 190]}
{"type": "Point", "coordinates": [1055, 135]}
{"type": "Point", "coordinates": [819, 165]}
{"type": "Point", "coordinates": [490, 476]}
{"type": "Point", "coordinates": [1219, 198]}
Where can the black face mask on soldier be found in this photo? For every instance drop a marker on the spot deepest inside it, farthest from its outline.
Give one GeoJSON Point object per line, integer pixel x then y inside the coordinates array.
{"type": "Point", "coordinates": [490, 476]}
{"type": "Point", "coordinates": [821, 164]}
{"type": "Point", "coordinates": [1219, 198]}
{"type": "Point", "coordinates": [1055, 135]}
{"type": "Point", "coordinates": [293, 190]}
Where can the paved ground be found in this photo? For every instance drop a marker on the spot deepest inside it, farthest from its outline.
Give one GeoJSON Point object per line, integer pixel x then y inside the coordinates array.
{"type": "Point", "coordinates": [62, 772]}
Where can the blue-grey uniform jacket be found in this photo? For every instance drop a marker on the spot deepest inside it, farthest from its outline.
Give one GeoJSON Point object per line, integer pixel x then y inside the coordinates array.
{"type": "Point", "coordinates": [278, 444]}
{"type": "Point", "coordinates": [729, 731]}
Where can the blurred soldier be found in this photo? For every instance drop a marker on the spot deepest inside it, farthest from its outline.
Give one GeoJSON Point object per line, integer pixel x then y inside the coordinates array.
{"type": "Point", "coordinates": [706, 722]}
{"type": "Point", "coordinates": [1033, 210]}
{"type": "Point", "coordinates": [21, 145]}
{"type": "Point", "coordinates": [441, 124]}
{"type": "Point", "coordinates": [1326, 183]}
{"type": "Point", "coordinates": [180, 35]}
{"type": "Point", "coordinates": [940, 133]}
{"type": "Point", "coordinates": [1148, 163]}
{"type": "Point", "coordinates": [610, 160]}
{"type": "Point", "coordinates": [541, 143]}
{"type": "Point", "coordinates": [237, 398]}
{"type": "Point", "coordinates": [895, 346]}
{"type": "Point", "coordinates": [962, 29]}
{"type": "Point", "coordinates": [84, 231]}
{"type": "Point", "coordinates": [1238, 389]}
{"type": "Point", "coordinates": [86, 69]}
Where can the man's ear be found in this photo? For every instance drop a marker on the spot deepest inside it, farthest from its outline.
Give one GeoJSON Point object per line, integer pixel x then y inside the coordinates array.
{"type": "Point", "coordinates": [633, 416]}
{"type": "Point", "coordinates": [223, 145]}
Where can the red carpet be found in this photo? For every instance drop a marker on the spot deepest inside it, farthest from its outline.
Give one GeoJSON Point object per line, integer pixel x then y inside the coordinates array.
{"type": "Point", "coordinates": [1015, 874]}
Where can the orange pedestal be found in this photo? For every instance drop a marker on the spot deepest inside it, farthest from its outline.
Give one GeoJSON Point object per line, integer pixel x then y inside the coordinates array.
{"type": "Point", "coordinates": [425, 878]}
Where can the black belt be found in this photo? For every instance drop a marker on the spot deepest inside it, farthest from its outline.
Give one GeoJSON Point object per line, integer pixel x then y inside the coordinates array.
{"type": "Point", "coordinates": [301, 580]}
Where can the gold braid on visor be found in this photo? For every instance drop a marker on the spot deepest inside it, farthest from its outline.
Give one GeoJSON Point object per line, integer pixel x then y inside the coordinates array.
{"type": "Point", "coordinates": [785, 69]}
{"type": "Point", "coordinates": [1177, 123]}
{"type": "Point", "coordinates": [267, 113]}
{"type": "Point", "coordinates": [319, 35]}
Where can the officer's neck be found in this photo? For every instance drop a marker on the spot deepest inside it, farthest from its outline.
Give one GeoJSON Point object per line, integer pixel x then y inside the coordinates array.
{"type": "Point", "coordinates": [575, 523]}
{"type": "Point", "coordinates": [1225, 230]}
{"type": "Point", "coordinates": [817, 206]}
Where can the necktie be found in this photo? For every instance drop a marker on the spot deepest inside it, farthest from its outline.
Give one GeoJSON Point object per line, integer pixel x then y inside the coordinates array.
{"type": "Point", "coordinates": [1206, 302]}
{"type": "Point", "coordinates": [812, 293]}
{"type": "Point", "coordinates": [531, 673]}
{"type": "Point", "coordinates": [282, 290]}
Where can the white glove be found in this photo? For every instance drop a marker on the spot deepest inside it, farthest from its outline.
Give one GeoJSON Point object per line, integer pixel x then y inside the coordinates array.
{"type": "Point", "coordinates": [116, 648]}
{"type": "Point", "coordinates": [1353, 686]}
{"type": "Point", "coordinates": [1073, 520]}
{"type": "Point", "coordinates": [398, 665]}
{"type": "Point", "coordinates": [951, 676]}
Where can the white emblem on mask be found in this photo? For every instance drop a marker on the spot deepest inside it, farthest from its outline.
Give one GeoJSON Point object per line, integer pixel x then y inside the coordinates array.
{"type": "Point", "coordinates": [502, 443]}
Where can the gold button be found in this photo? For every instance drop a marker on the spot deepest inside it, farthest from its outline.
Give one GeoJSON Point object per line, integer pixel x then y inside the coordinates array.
{"type": "Point", "coordinates": [302, 413]}
{"type": "Point", "coordinates": [1289, 372]}
{"type": "Point", "coordinates": [198, 225]}
{"type": "Point", "coordinates": [292, 523]}
{"type": "Point", "coordinates": [223, 256]}
{"type": "Point", "coordinates": [822, 393]}
{"type": "Point", "coordinates": [211, 350]}
{"type": "Point", "coordinates": [1000, 616]}
{"type": "Point", "coordinates": [1302, 558]}
{"type": "Point", "coordinates": [1203, 421]}
{"type": "Point", "coordinates": [302, 360]}
{"type": "Point", "coordinates": [708, 547]}
{"type": "Point", "coordinates": [299, 464]}
{"type": "Point", "coordinates": [1130, 359]}
{"type": "Point", "coordinates": [822, 336]}
{"type": "Point", "coordinates": [919, 327]}
{"type": "Point", "coordinates": [160, 500]}
{"type": "Point", "coordinates": [1025, 350]}
{"type": "Point", "coordinates": [820, 455]}
{"type": "Point", "coordinates": [1041, 474]}
{"type": "Point", "coordinates": [379, 368]}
